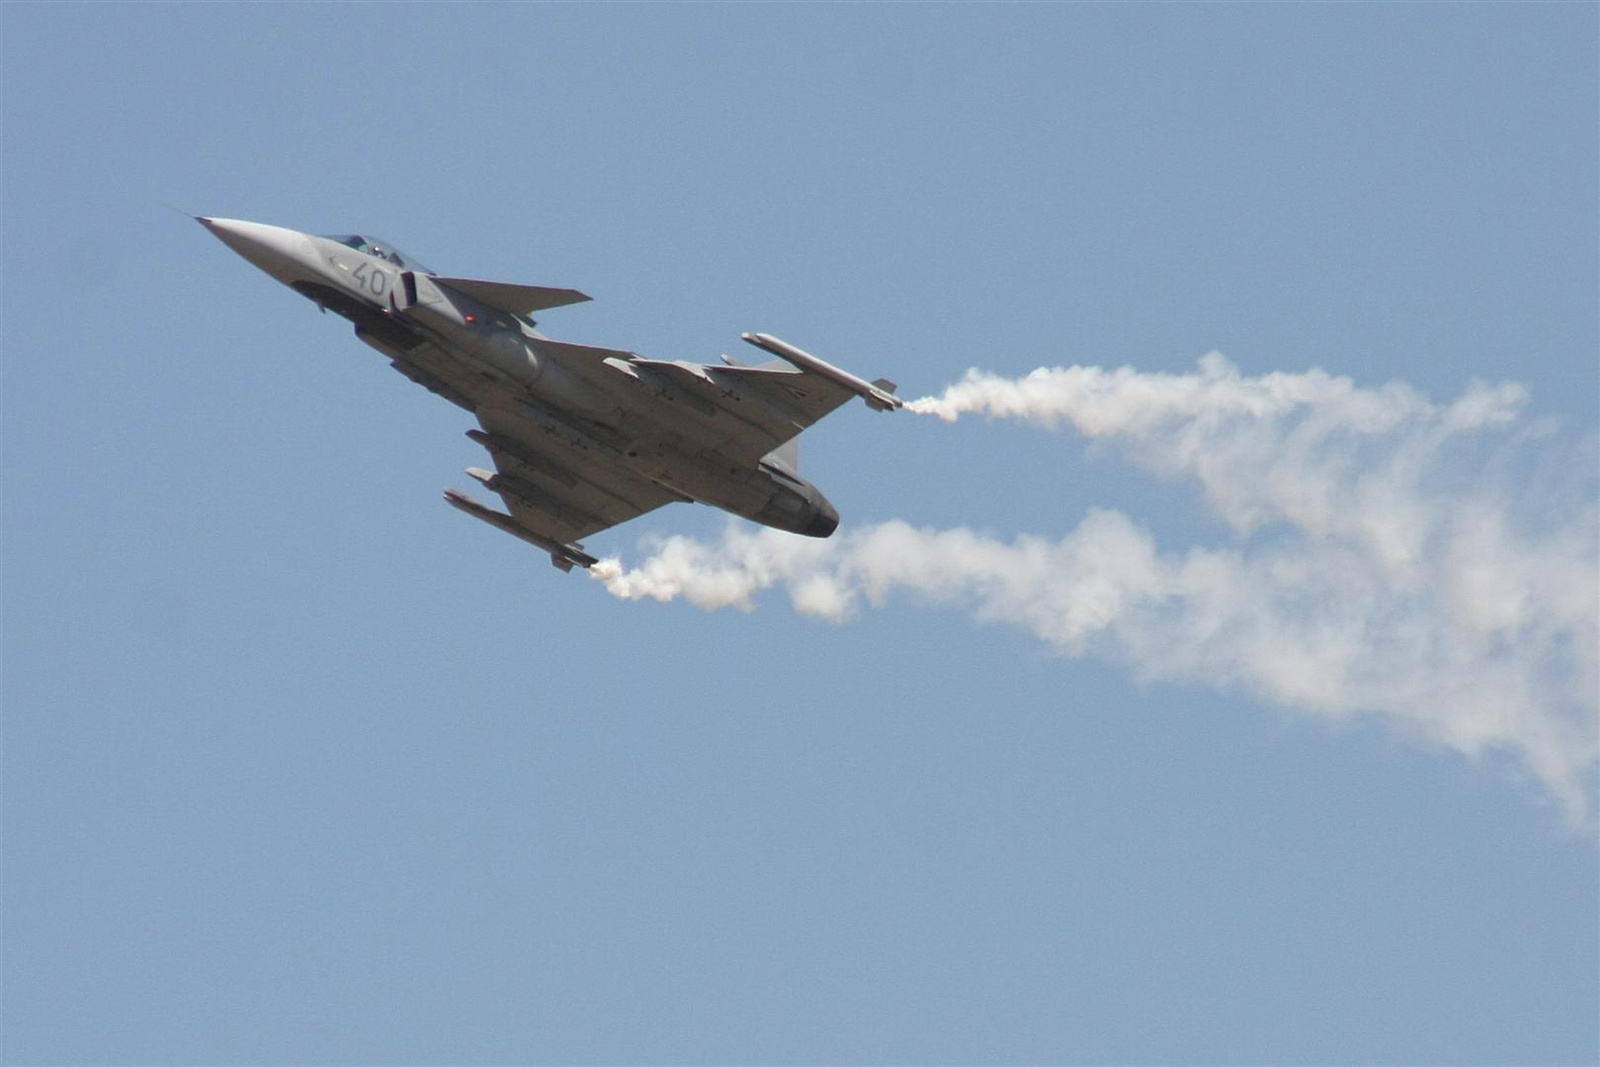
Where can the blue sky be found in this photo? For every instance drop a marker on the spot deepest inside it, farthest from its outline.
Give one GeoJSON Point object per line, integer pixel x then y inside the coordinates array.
{"type": "Point", "coordinates": [301, 766]}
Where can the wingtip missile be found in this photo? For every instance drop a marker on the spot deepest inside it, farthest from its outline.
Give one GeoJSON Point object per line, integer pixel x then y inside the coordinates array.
{"type": "Point", "coordinates": [563, 556]}
{"type": "Point", "coordinates": [878, 395]}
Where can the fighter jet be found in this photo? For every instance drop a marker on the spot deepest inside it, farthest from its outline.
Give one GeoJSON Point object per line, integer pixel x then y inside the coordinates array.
{"type": "Point", "coordinates": [582, 438]}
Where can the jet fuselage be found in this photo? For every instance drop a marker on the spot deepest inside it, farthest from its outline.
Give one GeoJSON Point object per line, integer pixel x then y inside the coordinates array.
{"type": "Point", "coordinates": [475, 354]}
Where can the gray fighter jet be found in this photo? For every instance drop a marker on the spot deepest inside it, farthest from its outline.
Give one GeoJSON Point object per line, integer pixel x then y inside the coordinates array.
{"type": "Point", "coordinates": [582, 438]}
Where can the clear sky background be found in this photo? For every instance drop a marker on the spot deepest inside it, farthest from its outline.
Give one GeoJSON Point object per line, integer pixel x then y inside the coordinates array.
{"type": "Point", "coordinates": [303, 766]}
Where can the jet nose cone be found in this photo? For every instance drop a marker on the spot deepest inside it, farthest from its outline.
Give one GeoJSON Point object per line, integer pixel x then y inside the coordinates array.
{"type": "Point", "coordinates": [284, 254]}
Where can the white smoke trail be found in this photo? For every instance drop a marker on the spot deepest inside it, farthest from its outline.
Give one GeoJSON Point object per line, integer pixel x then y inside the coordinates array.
{"type": "Point", "coordinates": [1374, 568]}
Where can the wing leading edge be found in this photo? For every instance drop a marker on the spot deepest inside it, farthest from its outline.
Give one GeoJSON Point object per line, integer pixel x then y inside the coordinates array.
{"type": "Point", "coordinates": [768, 405]}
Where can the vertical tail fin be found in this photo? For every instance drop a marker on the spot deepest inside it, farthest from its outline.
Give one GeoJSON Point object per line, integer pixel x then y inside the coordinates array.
{"type": "Point", "coordinates": [786, 456]}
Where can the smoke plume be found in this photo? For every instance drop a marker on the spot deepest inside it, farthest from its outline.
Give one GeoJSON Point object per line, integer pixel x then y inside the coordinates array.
{"type": "Point", "coordinates": [1386, 556]}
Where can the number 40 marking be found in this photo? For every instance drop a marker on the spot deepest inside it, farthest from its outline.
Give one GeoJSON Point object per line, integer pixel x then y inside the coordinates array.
{"type": "Point", "coordinates": [373, 280]}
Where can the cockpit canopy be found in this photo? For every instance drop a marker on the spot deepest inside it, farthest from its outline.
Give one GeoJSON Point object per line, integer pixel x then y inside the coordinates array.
{"type": "Point", "coordinates": [376, 246]}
